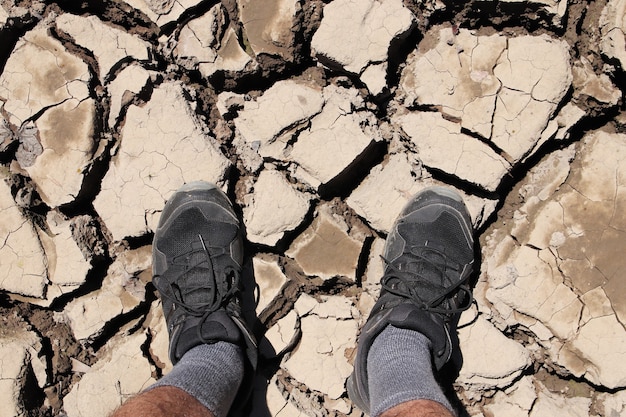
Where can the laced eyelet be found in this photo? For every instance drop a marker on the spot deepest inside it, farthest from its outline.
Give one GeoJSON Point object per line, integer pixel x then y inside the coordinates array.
{"type": "Point", "coordinates": [412, 281]}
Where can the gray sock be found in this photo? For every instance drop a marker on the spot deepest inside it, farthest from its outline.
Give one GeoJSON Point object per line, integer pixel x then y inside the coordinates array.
{"type": "Point", "coordinates": [399, 369]}
{"type": "Point", "coordinates": [210, 373]}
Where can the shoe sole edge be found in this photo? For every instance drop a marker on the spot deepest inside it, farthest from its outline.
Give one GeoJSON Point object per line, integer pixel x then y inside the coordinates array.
{"type": "Point", "coordinates": [196, 185]}
{"type": "Point", "coordinates": [444, 191]}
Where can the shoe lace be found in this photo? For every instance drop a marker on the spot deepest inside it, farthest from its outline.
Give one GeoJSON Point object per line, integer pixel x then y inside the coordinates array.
{"type": "Point", "coordinates": [415, 282]}
{"type": "Point", "coordinates": [172, 291]}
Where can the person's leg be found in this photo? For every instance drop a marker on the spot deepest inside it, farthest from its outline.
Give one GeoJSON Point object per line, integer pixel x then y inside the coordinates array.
{"type": "Point", "coordinates": [197, 256]}
{"type": "Point", "coordinates": [418, 408]}
{"type": "Point", "coordinates": [207, 377]}
{"type": "Point", "coordinates": [162, 402]}
{"type": "Point", "coordinates": [429, 255]}
{"type": "Point", "coordinates": [400, 374]}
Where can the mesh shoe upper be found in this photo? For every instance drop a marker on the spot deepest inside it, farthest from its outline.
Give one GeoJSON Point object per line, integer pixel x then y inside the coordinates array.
{"type": "Point", "coordinates": [428, 256]}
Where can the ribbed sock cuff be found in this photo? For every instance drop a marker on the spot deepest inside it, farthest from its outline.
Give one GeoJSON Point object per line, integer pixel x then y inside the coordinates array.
{"type": "Point", "coordinates": [399, 369]}
{"type": "Point", "coordinates": [210, 373]}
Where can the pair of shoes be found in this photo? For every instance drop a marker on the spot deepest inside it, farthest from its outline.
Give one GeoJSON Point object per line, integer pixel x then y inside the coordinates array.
{"type": "Point", "coordinates": [198, 252]}
{"type": "Point", "coordinates": [429, 257]}
{"type": "Point", "coordinates": [197, 256]}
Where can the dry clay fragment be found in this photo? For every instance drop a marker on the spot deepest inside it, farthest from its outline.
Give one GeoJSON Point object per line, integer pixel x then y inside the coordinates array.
{"type": "Point", "coordinates": [198, 40]}
{"type": "Point", "coordinates": [611, 404]}
{"type": "Point", "coordinates": [273, 208]}
{"type": "Point", "coordinates": [336, 138]}
{"type": "Point", "coordinates": [527, 283]}
{"type": "Point", "coordinates": [162, 12]}
{"type": "Point", "coordinates": [29, 148]}
{"type": "Point", "coordinates": [550, 404]}
{"type": "Point", "coordinates": [535, 76]}
{"type": "Point", "coordinates": [506, 361]}
{"type": "Point", "coordinates": [505, 90]}
{"type": "Point", "coordinates": [3, 17]}
{"type": "Point", "coordinates": [379, 202]}
{"type": "Point", "coordinates": [19, 363]}
{"type": "Point", "coordinates": [441, 145]}
{"type": "Point", "coordinates": [281, 107]}
{"type": "Point", "coordinates": [588, 83]}
{"type": "Point", "coordinates": [41, 75]}
{"type": "Point", "coordinates": [109, 45]}
{"type": "Point", "coordinates": [38, 266]}
{"type": "Point", "coordinates": [121, 292]}
{"type": "Point", "coordinates": [455, 72]}
{"type": "Point", "coordinates": [328, 331]}
{"type": "Point", "coordinates": [326, 249]}
{"type": "Point", "coordinates": [390, 185]}
{"type": "Point", "coordinates": [67, 266]}
{"type": "Point", "coordinates": [120, 373]}
{"type": "Point", "coordinates": [268, 26]}
{"type": "Point", "coordinates": [209, 44]}
{"type": "Point", "coordinates": [613, 31]}
{"type": "Point", "coordinates": [281, 335]}
{"type": "Point", "coordinates": [66, 133]}
{"type": "Point", "coordinates": [159, 341]}
{"type": "Point", "coordinates": [7, 137]}
{"type": "Point", "coordinates": [162, 147]}
{"type": "Point", "coordinates": [278, 405]}
{"type": "Point", "coordinates": [357, 36]}
{"type": "Point", "coordinates": [23, 268]}
{"type": "Point", "coordinates": [558, 252]}
{"type": "Point", "coordinates": [530, 397]}
{"type": "Point", "coordinates": [269, 277]}
{"type": "Point", "coordinates": [128, 83]}
{"type": "Point", "coordinates": [38, 74]}
{"type": "Point", "coordinates": [516, 401]}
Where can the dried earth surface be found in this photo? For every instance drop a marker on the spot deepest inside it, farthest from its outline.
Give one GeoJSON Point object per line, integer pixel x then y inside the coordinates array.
{"type": "Point", "coordinates": [319, 119]}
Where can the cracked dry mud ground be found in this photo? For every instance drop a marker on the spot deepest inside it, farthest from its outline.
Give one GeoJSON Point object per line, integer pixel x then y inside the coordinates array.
{"type": "Point", "coordinates": [319, 119]}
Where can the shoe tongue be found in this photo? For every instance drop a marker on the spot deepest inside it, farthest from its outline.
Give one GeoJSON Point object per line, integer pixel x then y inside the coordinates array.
{"type": "Point", "coordinates": [194, 271]}
{"type": "Point", "coordinates": [425, 271]}
{"type": "Point", "coordinates": [428, 259]}
{"type": "Point", "coordinates": [198, 283]}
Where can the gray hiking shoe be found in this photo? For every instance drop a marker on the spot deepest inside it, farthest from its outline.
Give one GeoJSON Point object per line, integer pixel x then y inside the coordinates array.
{"type": "Point", "coordinates": [197, 255]}
{"type": "Point", "coordinates": [428, 255]}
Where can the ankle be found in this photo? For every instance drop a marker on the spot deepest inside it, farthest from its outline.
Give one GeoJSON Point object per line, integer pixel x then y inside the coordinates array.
{"type": "Point", "coordinates": [418, 408]}
{"type": "Point", "coordinates": [399, 370]}
{"type": "Point", "coordinates": [163, 402]}
{"type": "Point", "coordinates": [211, 373]}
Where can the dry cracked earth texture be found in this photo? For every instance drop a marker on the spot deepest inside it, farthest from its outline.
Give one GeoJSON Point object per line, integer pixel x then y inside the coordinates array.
{"type": "Point", "coordinates": [319, 119]}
